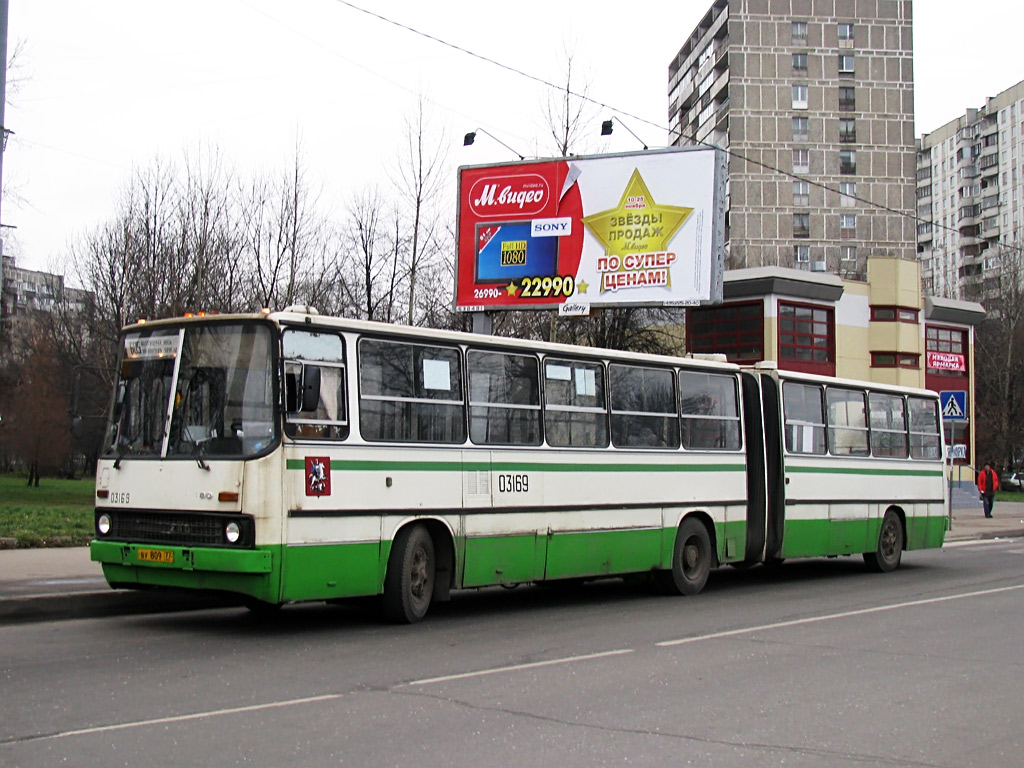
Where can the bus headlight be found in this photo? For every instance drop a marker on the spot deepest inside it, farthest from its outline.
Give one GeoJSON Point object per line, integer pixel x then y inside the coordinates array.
{"type": "Point", "coordinates": [104, 524]}
{"type": "Point", "coordinates": [232, 532]}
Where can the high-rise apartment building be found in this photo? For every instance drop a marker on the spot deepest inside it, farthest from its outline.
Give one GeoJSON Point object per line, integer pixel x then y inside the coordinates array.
{"type": "Point", "coordinates": [970, 198]}
{"type": "Point", "coordinates": [814, 100]}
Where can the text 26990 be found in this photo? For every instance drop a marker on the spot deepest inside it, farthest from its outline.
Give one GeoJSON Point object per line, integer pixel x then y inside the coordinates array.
{"type": "Point", "coordinates": [513, 483]}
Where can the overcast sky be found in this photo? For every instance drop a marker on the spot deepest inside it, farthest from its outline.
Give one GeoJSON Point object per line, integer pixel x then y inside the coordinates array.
{"type": "Point", "coordinates": [109, 85]}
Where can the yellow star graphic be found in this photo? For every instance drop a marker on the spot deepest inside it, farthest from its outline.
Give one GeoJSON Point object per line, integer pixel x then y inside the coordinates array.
{"type": "Point", "coordinates": [638, 224]}
{"type": "Point", "coordinates": [511, 289]}
{"type": "Point", "coordinates": [581, 287]}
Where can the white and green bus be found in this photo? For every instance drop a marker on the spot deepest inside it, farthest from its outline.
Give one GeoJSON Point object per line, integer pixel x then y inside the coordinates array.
{"type": "Point", "coordinates": [290, 456]}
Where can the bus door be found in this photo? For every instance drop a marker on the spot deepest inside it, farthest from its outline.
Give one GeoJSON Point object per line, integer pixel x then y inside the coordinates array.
{"type": "Point", "coordinates": [774, 469]}
{"type": "Point", "coordinates": [757, 478]}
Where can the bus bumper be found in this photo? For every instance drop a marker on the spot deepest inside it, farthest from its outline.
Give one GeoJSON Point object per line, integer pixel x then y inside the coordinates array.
{"type": "Point", "coordinates": [244, 571]}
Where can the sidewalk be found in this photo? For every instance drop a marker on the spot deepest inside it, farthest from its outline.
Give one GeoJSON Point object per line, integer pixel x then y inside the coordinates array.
{"type": "Point", "coordinates": [63, 583]}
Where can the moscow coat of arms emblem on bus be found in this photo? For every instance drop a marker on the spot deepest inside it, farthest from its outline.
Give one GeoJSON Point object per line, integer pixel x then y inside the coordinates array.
{"type": "Point", "coordinates": [318, 476]}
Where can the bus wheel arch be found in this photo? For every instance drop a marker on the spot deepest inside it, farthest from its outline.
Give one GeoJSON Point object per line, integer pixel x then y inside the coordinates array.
{"type": "Point", "coordinates": [420, 569]}
{"type": "Point", "coordinates": [693, 556]}
{"type": "Point", "coordinates": [892, 540]}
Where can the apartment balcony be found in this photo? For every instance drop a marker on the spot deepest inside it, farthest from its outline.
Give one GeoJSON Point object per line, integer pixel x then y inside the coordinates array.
{"type": "Point", "coordinates": [989, 151]}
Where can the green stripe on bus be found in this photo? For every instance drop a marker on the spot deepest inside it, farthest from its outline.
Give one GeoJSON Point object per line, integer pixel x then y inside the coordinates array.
{"type": "Point", "coordinates": [513, 466]}
{"type": "Point", "coordinates": [866, 471]}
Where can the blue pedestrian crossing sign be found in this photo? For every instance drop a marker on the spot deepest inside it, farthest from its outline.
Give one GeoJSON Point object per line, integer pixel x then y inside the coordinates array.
{"type": "Point", "coordinates": [953, 404]}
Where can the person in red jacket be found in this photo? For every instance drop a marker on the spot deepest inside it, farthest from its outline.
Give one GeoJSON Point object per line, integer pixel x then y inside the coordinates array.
{"type": "Point", "coordinates": [988, 484]}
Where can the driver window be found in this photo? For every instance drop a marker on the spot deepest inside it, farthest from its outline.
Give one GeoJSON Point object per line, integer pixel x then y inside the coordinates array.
{"type": "Point", "coordinates": [326, 351]}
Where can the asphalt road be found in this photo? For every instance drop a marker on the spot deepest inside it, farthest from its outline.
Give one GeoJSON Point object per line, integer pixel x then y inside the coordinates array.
{"type": "Point", "coordinates": [815, 664]}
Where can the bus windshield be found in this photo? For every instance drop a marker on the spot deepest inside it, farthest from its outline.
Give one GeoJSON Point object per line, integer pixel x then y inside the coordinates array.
{"type": "Point", "coordinates": [194, 391]}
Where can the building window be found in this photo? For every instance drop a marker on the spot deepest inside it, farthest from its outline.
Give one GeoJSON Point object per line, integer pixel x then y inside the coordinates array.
{"type": "Point", "coordinates": [806, 338]}
{"type": "Point", "coordinates": [801, 193]}
{"type": "Point", "coordinates": [801, 161]}
{"type": "Point", "coordinates": [847, 130]}
{"type": "Point", "coordinates": [846, 64]}
{"type": "Point", "coordinates": [847, 226]}
{"type": "Point", "coordinates": [801, 128]}
{"type": "Point", "coordinates": [848, 256]}
{"type": "Point", "coordinates": [800, 30]}
{"type": "Point", "coordinates": [801, 225]}
{"type": "Point", "coordinates": [847, 98]}
{"type": "Point", "coordinates": [734, 330]}
{"type": "Point", "coordinates": [946, 350]}
{"type": "Point", "coordinates": [799, 62]}
{"type": "Point", "coordinates": [895, 360]}
{"type": "Point", "coordinates": [799, 97]}
{"type": "Point", "coordinates": [848, 193]}
{"type": "Point", "coordinates": [847, 162]}
{"type": "Point", "coordinates": [846, 31]}
{"type": "Point", "coordinates": [802, 254]}
{"type": "Point", "coordinates": [894, 314]}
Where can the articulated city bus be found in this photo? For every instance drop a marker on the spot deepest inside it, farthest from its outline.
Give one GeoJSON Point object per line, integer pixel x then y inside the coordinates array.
{"type": "Point", "coordinates": [291, 456]}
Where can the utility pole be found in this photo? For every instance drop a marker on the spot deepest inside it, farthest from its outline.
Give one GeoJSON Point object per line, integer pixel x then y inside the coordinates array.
{"type": "Point", "coordinates": [3, 143]}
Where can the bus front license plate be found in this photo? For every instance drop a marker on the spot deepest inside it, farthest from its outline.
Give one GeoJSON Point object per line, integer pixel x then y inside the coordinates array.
{"type": "Point", "coordinates": [156, 556]}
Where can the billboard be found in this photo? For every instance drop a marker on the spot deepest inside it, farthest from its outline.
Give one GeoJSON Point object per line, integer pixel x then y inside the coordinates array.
{"type": "Point", "coordinates": [635, 229]}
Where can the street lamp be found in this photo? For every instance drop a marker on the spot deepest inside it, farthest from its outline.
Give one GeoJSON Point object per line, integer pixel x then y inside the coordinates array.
{"type": "Point", "coordinates": [470, 137]}
{"type": "Point", "coordinates": [606, 129]}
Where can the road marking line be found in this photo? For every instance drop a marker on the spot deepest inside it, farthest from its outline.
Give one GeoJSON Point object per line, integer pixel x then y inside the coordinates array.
{"type": "Point", "coordinates": [293, 702]}
{"type": "Point", "coordinates": [518, 667]}
{"type": "Point", "coordinates": [176, 718]}
{"type": "Point", "coordinates": [829, 617]}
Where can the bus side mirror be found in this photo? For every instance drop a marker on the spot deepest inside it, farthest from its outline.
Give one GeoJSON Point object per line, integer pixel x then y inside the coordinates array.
{"type": "Point", "coordinates": [302, 388]}
{"type": "Point", "coordinates": [310, 387]}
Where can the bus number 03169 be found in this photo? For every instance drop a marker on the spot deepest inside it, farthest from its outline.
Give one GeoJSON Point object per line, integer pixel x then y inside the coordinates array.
{"type": "Point", "coordinates": [513, 483]}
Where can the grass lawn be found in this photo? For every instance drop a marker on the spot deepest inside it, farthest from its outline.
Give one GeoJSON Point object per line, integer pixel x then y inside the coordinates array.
{"type": "Point", "coordinates": [56, 514]}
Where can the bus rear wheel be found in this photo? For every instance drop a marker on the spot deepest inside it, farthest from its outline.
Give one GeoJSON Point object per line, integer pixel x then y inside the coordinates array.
{"type": "Point", "coordinates": [409, 583]}
{"type": "Point", "coordinates": [886, 556]}
{"type": "Point", "coordinates": [691, 559]}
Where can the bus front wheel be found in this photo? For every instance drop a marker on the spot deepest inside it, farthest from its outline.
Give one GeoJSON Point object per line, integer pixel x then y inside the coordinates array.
{"type": "Point", "coordinates": [409, 583]}
{"type": "Point", "coordinates": [691, 559]}
{"type": "Point", "coordinates": [886, 556]}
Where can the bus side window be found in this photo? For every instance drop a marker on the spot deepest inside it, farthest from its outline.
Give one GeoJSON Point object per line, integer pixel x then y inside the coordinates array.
{"type": "Point", "coordinates": [708, 405]}
{"type": "Point", "coordinates": [504, 398]}
{"type": "Point", "coordinates": [847, 422]}
{"type": "Point", "coordinates": [575, 409]}
{"type": "Point", "coordinates": [925, 438]}
{"type": "Point", "coordinates": [410, 392]}
{"type": "Point", "coordinates": [643, 407]}
{"type": "Point", "coordinates": [314, 382]}
{"type": "Point", "coordinates": [888, 425]}
{"type": "Point", "coordinates": [804, 412]}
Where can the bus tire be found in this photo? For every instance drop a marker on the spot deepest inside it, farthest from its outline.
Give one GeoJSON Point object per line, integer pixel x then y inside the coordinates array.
{"type": "Point", "coordinates": [409, 582]}
{"type": "Point", "coordinates": [691, 559]}
{"type": "Point", "coordinates": [886, 556]}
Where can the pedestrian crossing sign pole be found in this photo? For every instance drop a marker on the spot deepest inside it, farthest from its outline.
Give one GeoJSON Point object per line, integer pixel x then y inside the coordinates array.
{"type": "Point", "coordinates": [953, 405]}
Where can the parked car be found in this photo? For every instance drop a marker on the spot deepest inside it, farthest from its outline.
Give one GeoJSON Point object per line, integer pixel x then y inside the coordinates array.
{"type": "Point", "coordinates": [1011, 481]}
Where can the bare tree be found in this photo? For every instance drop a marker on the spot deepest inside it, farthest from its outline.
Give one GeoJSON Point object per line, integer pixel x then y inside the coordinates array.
{"type": "Point", "coordinates": [373, 245]}
{"type": "Point", "coordinates": [568, 114]}
{"type": "Point", "coordinates": [999, 360]}
{"type": "Point", "coordinates": [421, 180]}
{"type": "Point", "coordinates": [36, 417]}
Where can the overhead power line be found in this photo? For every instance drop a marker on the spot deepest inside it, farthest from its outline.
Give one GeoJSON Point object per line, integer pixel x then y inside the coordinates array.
{"type": "Point", "coordinates": [668, 129]}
